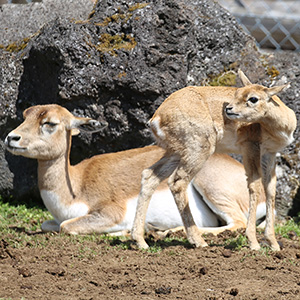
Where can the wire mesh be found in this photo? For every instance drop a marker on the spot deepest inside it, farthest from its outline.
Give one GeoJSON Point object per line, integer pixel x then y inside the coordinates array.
{"type": "Point", "coordinates": [18, 1]}
{"type": "Point", "coordinates": [273, 23]}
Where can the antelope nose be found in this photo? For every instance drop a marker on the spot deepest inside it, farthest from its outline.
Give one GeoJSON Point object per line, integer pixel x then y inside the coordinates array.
{"type": "Point", "coordinates": [12, 137]}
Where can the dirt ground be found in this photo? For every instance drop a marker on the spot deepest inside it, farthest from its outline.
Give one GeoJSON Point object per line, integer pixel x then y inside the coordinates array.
{"type": "Point", "coordinates": [63, 267]}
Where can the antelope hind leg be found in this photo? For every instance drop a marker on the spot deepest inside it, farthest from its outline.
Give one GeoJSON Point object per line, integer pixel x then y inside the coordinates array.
{"type": "Point", "coordinates": [151, 178]}
{"type": "Point", "coordinates": [178, 183]}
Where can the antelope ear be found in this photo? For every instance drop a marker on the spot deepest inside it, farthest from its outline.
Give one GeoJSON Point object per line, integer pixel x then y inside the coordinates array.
{"type": "Point", "coordinates": [277, 89]}
{"type": "Point", "coordinates": [244, 78]}
{"type": "Point", "coordinates": [86, 124]}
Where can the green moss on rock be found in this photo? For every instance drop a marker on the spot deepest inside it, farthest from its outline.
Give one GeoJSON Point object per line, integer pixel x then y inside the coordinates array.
{"type": "Point", "coordinates": [272, 72]}
{"type": "Point", "coordinates": [110, 43]}
{"type": "Point", "coordinates": [227, 78]}
{"type": "Point", "coordinates": [16, 46]}
{"type": "Point", "coordinates": [122, 17]}
{"type": "Point", "coordinates": [137, 6]}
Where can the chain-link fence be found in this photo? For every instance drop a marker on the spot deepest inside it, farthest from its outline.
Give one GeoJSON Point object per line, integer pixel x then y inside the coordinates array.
{"type": "Point", "coordinates": [273, 23]}
{"type": "Point", "coordinates": [18, 1]}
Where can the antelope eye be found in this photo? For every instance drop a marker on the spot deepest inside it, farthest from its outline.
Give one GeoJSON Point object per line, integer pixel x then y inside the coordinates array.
{"type": "Point", "coordinates": [51, 124]}
{"type": "Point", "coordinates": [253, 100]}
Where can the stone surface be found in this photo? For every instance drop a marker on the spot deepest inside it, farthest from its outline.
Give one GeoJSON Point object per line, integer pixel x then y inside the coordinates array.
{"type": "Point", "coordinates": [120, 63]}
{"type": "Point", "coordinates": [21, 21]}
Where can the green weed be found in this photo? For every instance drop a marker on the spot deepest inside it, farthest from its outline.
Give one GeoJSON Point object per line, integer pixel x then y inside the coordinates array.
{"type": "Point", "coordinates": [288, 229]}
{"type": "Point", "coordinates": [237, 243]}
{"type": "Point", "coordinates": [22, 216]}
{"type": "Point", "coordinates": [20, 225]}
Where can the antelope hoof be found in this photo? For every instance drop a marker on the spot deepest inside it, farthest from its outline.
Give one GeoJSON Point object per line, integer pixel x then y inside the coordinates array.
{"type": "Point", "coordinates": [198, 242]}
{"type": "Point", "coordinates": [50, 225]}
{"type": "Point", "coordinates": [66, 227]}
{"type": "Point", "coordinates": [254, 246]}
{"type": "Point", "coordinates": [275, 247]}
{"type": "Point", "coordinates": [138, 236]}
{"type": "Point", "coordinates": [142, 244]}
{"type": "Point", "coordinates": [201, 244]}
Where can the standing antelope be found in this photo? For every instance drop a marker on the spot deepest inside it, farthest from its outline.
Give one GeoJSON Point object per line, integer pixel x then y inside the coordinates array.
{"type": "Point", "coordinates": [195, 122]}
{"type": "Point", "coordinates": [100, 193]}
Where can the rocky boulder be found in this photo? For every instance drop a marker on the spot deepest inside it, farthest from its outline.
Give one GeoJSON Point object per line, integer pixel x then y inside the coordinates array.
{"type": "Point", "coordinates": [120, 63]}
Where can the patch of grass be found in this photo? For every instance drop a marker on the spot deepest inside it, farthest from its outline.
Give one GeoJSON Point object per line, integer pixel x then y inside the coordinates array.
{"type": "Point", "coordinates": [87, 252]}
{"type": "Point", "coordinates": [74, 239]}
{"type": "Point", "coordinates": [119, 242]}
{"type": "Point", "coordinates": [156, 246]}
{"type": "Point", "coordinates": [265, 250]}
{"type": "Point", "coordinates": [20, 227]}
{"type": "Point", "coordinates": [237, 243]}
{"type": "Point", "coordinates": [18, 223]}
{"type": "Point", "coordinates": [177, 241]}
{"type": "Point", "coordinates": [289, 229]}
{"type": "Point", "coordinates": [21, 216]}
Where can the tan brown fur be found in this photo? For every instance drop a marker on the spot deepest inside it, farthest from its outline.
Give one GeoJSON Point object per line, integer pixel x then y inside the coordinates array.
{"type": "Point", "coordinates": [195, 122]}
{"type": "Point", "coordinates": [104, 184]}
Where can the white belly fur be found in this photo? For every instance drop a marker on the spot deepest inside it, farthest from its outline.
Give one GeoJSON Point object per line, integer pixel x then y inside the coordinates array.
{"type": "Point", "coordinates": [62, 212]}
{"type": "Point", "coordinates": [163, 213]}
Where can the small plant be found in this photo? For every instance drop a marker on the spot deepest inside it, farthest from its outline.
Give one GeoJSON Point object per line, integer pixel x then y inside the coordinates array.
{"type": "Point", "coordinates": [22, 216]}
{"type": "Point", "coordinates": [288, 229]}
{"type": "Point", "coordinates": [20, 226]}
{"type": "Point", "coordinates": [154, 249]}
{"type": "Point", "coordinates": [237, 243]}
{"type": "Point", "coordinates": [265, 251]}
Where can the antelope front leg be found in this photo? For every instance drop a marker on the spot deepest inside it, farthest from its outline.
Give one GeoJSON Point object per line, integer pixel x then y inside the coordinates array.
{"type": "Point", "coordinates": [269, 182]}
{"type": "Point", "coordinates": [98, 222]}
{"type": "Point", "coordinates": [251, 161]}
{"type": "Point", "coordinates": [254, 186]}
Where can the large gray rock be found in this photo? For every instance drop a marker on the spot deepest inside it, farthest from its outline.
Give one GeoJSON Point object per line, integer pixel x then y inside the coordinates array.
{"type": "Point", "coordinates": [120, 64]}
{"type": "Point", "coordinates": [21, 21]}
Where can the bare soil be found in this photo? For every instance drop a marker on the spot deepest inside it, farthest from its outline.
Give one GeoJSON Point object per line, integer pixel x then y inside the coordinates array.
{"type": "Point", "coordinates": [63, 267]}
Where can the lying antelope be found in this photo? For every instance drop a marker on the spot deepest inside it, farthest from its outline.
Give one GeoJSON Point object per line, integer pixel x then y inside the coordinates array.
{"type": "Point", "coordinates": [195, 122]}
{"type": "Point", "coordinates": [100, 194]}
